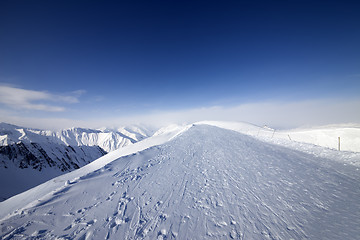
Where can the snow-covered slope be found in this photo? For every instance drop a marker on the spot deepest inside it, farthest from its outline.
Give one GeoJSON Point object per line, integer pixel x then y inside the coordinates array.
{"type": "Point", "coordinates": [314, 141]}
{"type": "Point", "coordinates": [29, 157]}
{"type": "Point", "coordinates": [202, 182]}
{"type": "Point", "coordinates": [23, 166]}
{"type": "Point", "coordinates": [326, 136]}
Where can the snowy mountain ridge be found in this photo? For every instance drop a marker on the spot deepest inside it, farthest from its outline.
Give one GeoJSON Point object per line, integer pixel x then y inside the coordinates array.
{"type": "Point", "coordinates": [32, 156]}
{"type": "Point", "coordinates": [193, 182]}
{"type": "Point", "coordinates": [107, 139]}
{"type": "Point", "coordinates": [161, 137]}
{"type": "Point", "coordinates": [110, 139]}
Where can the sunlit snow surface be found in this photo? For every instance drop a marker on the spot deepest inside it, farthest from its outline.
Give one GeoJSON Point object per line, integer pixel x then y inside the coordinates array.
{"type": "Point", "coordinates": [204, 183]}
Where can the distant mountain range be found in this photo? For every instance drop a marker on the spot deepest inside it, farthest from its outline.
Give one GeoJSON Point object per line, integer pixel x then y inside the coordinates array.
{"type": "Point", "coordinates": [107, 139]}
{"type": "Point", "coordinates": [26, 153]}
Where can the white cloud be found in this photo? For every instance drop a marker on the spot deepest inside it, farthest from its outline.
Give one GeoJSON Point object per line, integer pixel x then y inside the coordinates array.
{"type": "Point", "coordinates": [273, 113]}
{"type": "Point", "coordinates": [40, 123]}
{"type": "Point", "coordinates": [78, 93]}
{"type": "Point", "coordinates": [19, 98]}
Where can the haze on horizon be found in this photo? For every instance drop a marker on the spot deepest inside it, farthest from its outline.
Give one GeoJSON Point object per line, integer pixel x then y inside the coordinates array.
{"type": "Point", "coordinates": [93, 64]}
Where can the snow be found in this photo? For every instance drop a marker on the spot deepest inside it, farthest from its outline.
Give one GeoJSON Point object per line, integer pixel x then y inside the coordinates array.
{"type": "Point", "coordinates": [52, 152]}
{"type": "Point", "coordinates": [107, 139]}
{"type": "Point", "coordinates": [32, 195]}
{"type": "Point", "coordinates": [326, 136]}
{"type": "Point", "coordinates": [137, 132]}
{"type": "Point", "coordinates": [23, 166]}
{"type": "Point", "coordinates": [321, 141]}
{"type": "Point", "coordinates": [193, 182]}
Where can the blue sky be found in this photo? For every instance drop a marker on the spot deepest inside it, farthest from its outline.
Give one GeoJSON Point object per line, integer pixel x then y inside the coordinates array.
{"type": "Point", "coordinates": [87, 61]}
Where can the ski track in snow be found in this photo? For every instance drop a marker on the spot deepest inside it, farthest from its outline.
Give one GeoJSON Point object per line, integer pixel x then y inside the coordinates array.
{"type": "Point", "coordinates": [208, 183]}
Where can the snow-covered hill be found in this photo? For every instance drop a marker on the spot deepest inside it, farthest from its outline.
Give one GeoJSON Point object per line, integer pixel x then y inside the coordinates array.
{"type": "Point", "coordinates": [29, 157]}
{"type": "Point", "coordinates": [193, 182]}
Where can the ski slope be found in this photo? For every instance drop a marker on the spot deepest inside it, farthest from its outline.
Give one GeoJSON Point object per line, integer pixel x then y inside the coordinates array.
{"type": "Point", "coordinates": [193, 182]}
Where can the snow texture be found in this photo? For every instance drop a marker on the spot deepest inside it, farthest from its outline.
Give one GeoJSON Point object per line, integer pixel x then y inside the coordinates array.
{"type": "Point", "coordinates": [29, 157]}
{"type": "Point", "coordinates": [193, 182]}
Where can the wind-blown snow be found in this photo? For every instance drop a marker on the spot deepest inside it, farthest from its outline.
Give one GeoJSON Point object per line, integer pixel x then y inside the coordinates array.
{"type": "Point", "coordinates": [202, 182]}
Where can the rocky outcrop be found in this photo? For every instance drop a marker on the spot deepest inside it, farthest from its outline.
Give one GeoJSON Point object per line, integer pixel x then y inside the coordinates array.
{"type": "Point", "coordinates": [62, 157]}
